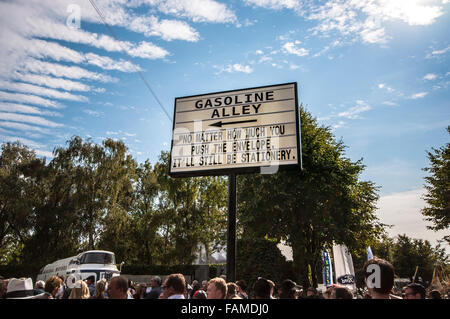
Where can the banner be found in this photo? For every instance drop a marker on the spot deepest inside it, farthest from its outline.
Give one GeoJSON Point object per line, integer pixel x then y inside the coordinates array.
{"type": "Point", "coordinates": [343, 267]}
{"type": "Point", "coordinates": [327, 269]}
{"type": "Point", "coordinates": [369, 253]}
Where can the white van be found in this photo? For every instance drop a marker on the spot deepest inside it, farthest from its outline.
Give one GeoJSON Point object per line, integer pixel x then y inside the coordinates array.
{"type": "Point", "coordinates": [97, 263]}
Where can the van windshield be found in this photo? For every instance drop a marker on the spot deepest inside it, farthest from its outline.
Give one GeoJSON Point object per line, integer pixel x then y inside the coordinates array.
{"type": "Point", "coordinates": [98, 258]}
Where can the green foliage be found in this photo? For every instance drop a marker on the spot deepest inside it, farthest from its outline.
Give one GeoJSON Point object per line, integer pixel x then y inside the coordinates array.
{"type": "Point", "coordinates": [325, 203]}
{"type": "Point", "coordinates": [261, 258]}
{"type": "Point", "coordinates": [93, 196]}
{"type": "Point", "coordinates": [438, 188]}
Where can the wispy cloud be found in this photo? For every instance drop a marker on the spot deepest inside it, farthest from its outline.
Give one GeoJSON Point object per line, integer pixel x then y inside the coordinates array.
{"type": "Point", "coordinates": [291, 48]}
{"type": "Point", "coordinates": [430, 76]}
{"type": "Point", "coordinates": [233, 68]}
{"type": "Point", "coordinates": [354, 112]}
{"type": "Point", "coordinates": [37, 120]}
{"type": "Point", "coordinates": [418, 95]}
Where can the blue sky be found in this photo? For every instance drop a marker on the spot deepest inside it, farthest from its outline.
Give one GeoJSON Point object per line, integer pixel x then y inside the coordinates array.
{"type": "Point", "coordinates": [376, 71]}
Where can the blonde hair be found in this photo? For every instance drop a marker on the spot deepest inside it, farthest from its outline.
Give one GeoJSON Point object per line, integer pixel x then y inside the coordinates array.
{"type": "Point", "coordinates": [100, 289]}
{"type": "Point", "coordinates": [80, 291]}
{"type": "Point", "coordinates": [220, 284]}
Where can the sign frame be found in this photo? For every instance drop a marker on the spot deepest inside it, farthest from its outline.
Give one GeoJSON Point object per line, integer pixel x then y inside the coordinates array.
{"type": "Point", "coordinates": [240, 170]}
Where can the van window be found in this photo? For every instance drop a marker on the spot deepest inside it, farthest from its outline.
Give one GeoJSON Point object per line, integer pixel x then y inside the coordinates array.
{"type": "Point", "coordinates": [98, 258]}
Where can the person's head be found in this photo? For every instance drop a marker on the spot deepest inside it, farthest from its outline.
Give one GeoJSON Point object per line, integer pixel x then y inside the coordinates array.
{"type": "Point", "coordinates": [272, 286]}
{"type": "Point", "coordinates": [118, 287]}
{"type": "Point", "coordinates": [100, 288]}
{"type": "Point", "coordinates": [329, 291]}
{"type": "Point", "coordinates": [80, 291]}
{"type": "Point", "coordinates": [311, 292]}
{"type": "Point", "coordinates": [175, 284]}
{"type": "Point", "coordinates": [90, 280]}
{"type": "Point", "coordinates": [217, 288]}
{"type": "Point", "coordinates": [415, 291]}
{"type": "Point", "coordinates": [341, 293]}
{"type": "Point", "coordinates": [199, 294]}
{"type": "Point", "coordinates": [40, 284]}
{"type": "Point", "coordinates": [435, 294]}
{"type": "Point", "coordinates": [52, 285]}
{"type": "Point", "coordinates": [231, 290]}
{"type": "Point", "coordinates": [262, 288]}
{"type": "Point", "coordinates": [242, 284]}
{"type": "Point", "coordinates": [155, 282]}
{"type": "Point", "coordinates": [379, 276]}
{"type": "Point", "coordinates": [288, 289]}
{"type": "Point", "coordinates": [205, 285]}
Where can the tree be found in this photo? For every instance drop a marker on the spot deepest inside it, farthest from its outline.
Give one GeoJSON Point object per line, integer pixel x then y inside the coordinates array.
{"type": "Point", "coordinates": [17, 164]}
{"type": "Point", "coordinates": [438, 188]}
{"type": "Point", "coordinates": [325, 203]}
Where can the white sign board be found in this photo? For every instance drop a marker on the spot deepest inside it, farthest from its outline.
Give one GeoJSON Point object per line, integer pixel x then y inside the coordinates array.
{"type": "Point", "coordinates": [248, 130]}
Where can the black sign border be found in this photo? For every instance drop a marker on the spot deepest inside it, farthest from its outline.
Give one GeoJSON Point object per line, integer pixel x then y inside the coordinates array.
{"type": "Point", "coordinates": [241, 170]}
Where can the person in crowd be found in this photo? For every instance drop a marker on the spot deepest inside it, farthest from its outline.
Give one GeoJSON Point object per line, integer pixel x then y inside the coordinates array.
{"type": "Point", "coordinates": [329, 291]}
{"type": "Point", "coordinates": [217, 288]}
{"type": "Point", "coordinates": [381, 274]}
{"type": "Point", "coordinates": [262, 288]}
{"type": "Point", "coordinates": [52, 286]}
{"type": "Point", "coordinates": [3, 288]}
{"type": "Point", "coordinates": [232, 291]}
{"type": "Point", "coordinates": [415, 291]}
{"type": "Point", "coordinates": [155, 291]}
{"type": "Point", "coordinates": [242, 292]}
{"type": "Point", "coordinates": [188, 291]}
{"type": "Point", "coordinates": [131, 290]}
{"type": "Point", "coordinates": [140, 291]}
{"type": "Point", "coordinates": [39, 287]}
{"type": "Point", "coordinates": [204, 285]}
{"type": "Point", "coordinates": [100, 289]}
{"type": "Point", "coordinates": [80, 291]}
{"type": "Point", "coordinates": [311, 293]}
{"type": "Point", "coordinates": [195, 287]}
{"type": "Point", "coordinates": [435, 294]}
{"type": "Point", "coordinates": [272, 289]}
{"type": "Point", "coordinates": [288, 289]}
{"type": "Point", "coordinates": [199, 294]}
{"type": "Point", "coordinates": [90, 281]}
{"type": "Point", "coordinates": [339, 292]}
{"type": "Point", "coordinates": [174, 287]}
{"type": "Point", "coordinates": [118, 288]}
{"type": "Point", "coordinates": [21, 288]}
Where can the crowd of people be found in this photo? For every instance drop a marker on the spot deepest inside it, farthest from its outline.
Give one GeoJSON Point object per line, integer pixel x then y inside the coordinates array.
{"type": "Point", "coordinates": [175, 286]}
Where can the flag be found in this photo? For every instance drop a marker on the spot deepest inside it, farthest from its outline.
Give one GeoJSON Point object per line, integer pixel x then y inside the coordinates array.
{"type": "Point", "coordinates": [327, 269]}
{"type": "Point", "coordinates": [369, 253]}
{"type": "Point", "coordinates": [343, 267]}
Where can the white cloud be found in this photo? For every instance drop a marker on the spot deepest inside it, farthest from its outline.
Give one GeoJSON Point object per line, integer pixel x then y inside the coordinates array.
{"type": "Point", "coordinates": [197, 10]}
{"type": "Point", "coordinates": [384, 86]}
{"type": "Point", "coordinates": [353, 112]}
{"type": "Point", "coordinates": [291, 48]}
{"type": "Point", "coordinates": [418, 95]}
{"type": "Point", "coordinates": [38, 90]}
{"type": "Point", "coordinates": [232, 68]}
{"type": "Point", "coordinates": [28, 119]}
{"type": "Point", "coordinates": [365, 19]}
{"type": "Point", "coordinates": [24, 127]}
{"type": "Point", "coordinates": [430, 76]}
{"type": "Point", "coordinates": [59, 70]}
{"type": "Point", "coordinates": [55, 83]}
{"type": "Point", "coordinates": [20, 108]}
{"type": "Point", "coordinates": [166, 29]}
{"type": "Point", "coordinates": [389, 103]}
{"type": "Point", "coordinates": [24, 141]}
{"type": "Point", "coordinates": [276, 4]}
{"type": "Point", "coordinates": [28, 98]}
{"type": "Point", "coordinates": [402, 210]}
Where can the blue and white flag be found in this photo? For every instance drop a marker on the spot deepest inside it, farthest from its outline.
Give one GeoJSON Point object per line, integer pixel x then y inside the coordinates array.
{"type": "Point", "coordinates": [369, 253]}
{"type": "Point", "coordinates": [327, 269]}
{"type": "Point", "coordinates": [343, 267]}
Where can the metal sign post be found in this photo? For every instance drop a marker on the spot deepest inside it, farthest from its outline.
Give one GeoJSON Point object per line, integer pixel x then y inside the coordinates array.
{"type": "Point", "coordinates": [231, 229]}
